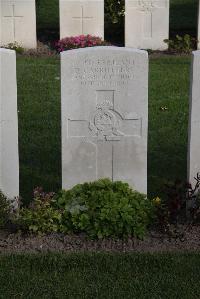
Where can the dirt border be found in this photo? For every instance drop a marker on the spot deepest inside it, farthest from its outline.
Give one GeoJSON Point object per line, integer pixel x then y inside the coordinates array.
{"type": "Point", "coordinates": [154, 242]}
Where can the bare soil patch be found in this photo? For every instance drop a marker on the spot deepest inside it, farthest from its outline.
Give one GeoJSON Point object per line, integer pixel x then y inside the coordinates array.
{"type": "Point", "coordinates": [154, 242]}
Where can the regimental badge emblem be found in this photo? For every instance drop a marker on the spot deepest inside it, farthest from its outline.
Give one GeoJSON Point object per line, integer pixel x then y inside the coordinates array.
{"type": "Point", "coordinates": [105, 123]}
{"type": "Point", "coordinates": [146, 5]}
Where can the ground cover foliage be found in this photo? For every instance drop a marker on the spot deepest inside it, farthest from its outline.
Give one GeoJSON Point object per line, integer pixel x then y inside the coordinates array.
{"type": "Point", "coordinates": [100, 209]}
{"type": "Point", "coordinates": [100, 276]}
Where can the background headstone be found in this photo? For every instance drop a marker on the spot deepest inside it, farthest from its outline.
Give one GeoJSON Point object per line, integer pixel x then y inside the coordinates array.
{"type": "Point", "coordinates": [81, 17]}
{"type": "Point", "coordinates": [194, 120]}
{"type": "Point", "coordinates": [9, 162]}
{"type": "Point", "coordinates": [18, 22]}
{"type": "Point", "coordinates": [104, 115]}
{"type": "Point", "coordinates": [146, 24]}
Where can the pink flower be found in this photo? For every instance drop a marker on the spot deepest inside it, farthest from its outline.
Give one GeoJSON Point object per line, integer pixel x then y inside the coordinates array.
{"type": "Point", "coordinates": [80, 41]}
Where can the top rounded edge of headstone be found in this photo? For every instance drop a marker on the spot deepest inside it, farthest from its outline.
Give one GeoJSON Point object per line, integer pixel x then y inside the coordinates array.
{"type": "Point", "coordinates": [8, 51]}
{"type": "Point", "coordinates": [105, 48]}
{"type": "Point", "coordinates": [196, 53]}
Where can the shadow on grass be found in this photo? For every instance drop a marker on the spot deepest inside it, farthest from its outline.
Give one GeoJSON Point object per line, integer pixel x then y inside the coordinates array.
{"type": "Point", "coordinates": [100, 275]}
{"type": "Point", "coordinates": [183, 17]}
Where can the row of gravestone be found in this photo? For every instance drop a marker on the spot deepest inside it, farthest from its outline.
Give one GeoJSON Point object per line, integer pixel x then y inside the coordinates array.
{"type": "Point", "coordinates": [146, 21]}
{"type": "Point", "coordinates": [104, 96]}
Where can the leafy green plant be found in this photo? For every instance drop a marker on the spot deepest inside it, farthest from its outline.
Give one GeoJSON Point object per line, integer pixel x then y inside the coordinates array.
{"type": "Point", "coordinates": [40, 216]}
{"type": "Point", "coordinates": [181, 204]}
{"type": "Point", "coordinates": [5, 210]}
{"type": "Point", "coordinates": [114, 11]}
{"type": "Point", "coordinates": [181, 44]}
{"type": "Point", "coordinates": [171, 210]}
{"type": "Point", "coordinates": [104, 208]}
{"type": "Point", "coordinates": [15, 46]}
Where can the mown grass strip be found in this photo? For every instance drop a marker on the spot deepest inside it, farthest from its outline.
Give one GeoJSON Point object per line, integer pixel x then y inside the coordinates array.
{"type": "Point", "coordinates": [100, 275]}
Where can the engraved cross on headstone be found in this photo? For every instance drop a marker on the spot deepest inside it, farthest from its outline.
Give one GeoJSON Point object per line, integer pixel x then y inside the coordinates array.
{"type": "Point", "coordinates": [13, 18]}
{"type": "Point", "coordinates": [83, 19]}
{"type": "Point", "coordinates": [105, 123]}
{"type": "Point", "coordinates": [147, 8]}
{"type": "Point", "coordinates": [104, 128]}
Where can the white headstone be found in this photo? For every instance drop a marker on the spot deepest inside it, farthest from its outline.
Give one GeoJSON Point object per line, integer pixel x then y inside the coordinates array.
{"type": "Point", "coordinates": [18, 23]}
{"type": "Point", "coordinates": [81, 17]}
{"type": "Point", "coordinates": [9, 162]}
{"type": "Point", "coordinates": [146, 24]}
{"type": "Point", "coordinates": [104, 115]}
{"type": "Point", "coordinates": [194, 120]}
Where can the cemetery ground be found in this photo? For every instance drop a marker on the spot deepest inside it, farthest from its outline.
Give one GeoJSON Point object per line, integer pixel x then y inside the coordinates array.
{"type": "Point", "coordinates": [117, 273]}
{"type": "Point", "coordinates": [27, 270]}
{"type": "Point", "coordinates": [100, 276]}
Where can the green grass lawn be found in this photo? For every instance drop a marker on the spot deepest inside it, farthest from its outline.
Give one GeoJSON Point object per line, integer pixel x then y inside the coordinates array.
{"type": "Point", "coordinates": [39, 123]}
{"type": "Point", "coordinates": [168, 130]}
{"type": "Point", "coordinates": [103, 276]}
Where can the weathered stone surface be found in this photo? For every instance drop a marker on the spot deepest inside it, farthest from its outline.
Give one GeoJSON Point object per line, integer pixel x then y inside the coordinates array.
{"type": "Point", "coordinates": [81, 17]}
{"type": "Point", "coordinates": [9, 162]}
{"type": "Point", "coordinates": [194, 120]}
{"type": "Point", "coordinates": [18, 23]}
{"type": "Point", "coordinates": [104, 115]}
{"type": "Point", "coordinates": [146, 24]}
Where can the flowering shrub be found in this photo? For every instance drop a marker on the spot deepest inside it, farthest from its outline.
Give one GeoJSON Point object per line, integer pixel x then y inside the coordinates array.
{"type": "Point", "coordinates": [100, 209]}
{"type": "Point", "coordinates": [80, 41]}
{"type": "Point", "coordinates": [181, 44]}
{"type": "Point", "coordinates": [15, 46]}
{"type": "Point", "coordinates": [40, 216]}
